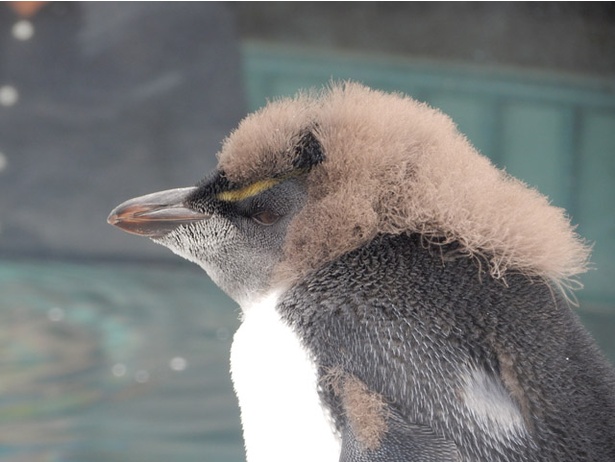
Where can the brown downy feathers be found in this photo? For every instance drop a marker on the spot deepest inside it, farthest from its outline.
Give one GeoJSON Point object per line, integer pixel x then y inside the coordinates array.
{"type": "Point", "coordinates": [394, 165]}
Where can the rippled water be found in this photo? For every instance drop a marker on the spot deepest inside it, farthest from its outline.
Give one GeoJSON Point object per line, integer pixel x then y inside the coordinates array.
{"type": "Point", "coordinates": [115, 363]}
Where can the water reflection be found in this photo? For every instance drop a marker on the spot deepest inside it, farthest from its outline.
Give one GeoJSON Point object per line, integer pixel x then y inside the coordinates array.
{"type": "Point", "coordinates": [115, 362]}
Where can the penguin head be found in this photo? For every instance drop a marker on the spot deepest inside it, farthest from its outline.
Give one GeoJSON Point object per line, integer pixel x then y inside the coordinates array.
{"type": "Point", "coordinates": [235, 230]}
{"type": "Point", "coordinates": [307, 179]}
{"type": "Point", "coordinates": [235, 234]}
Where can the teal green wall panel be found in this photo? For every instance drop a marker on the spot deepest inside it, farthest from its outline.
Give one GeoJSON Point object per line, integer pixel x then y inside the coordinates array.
{"type": "Point", "coordinates": [274, 70]}
{"type": "Point", "coordinates": [474, 117]}
{"type": "Point", "coordinates": [535, 147]}
{"type": "Point", "coordinates": [596, 209]}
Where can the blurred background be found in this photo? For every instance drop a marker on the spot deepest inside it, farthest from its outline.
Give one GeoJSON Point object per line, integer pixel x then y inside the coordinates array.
{"type": "Point", "coordinates": [112, 348]}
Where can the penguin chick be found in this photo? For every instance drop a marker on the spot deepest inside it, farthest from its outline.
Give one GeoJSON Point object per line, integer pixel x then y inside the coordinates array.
{"type": "Point", "coordinates": [399, 293]}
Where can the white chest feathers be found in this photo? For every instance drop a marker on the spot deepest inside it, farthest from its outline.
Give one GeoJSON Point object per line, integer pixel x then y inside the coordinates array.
{"type": "Point", "coordinates": [276, 384]}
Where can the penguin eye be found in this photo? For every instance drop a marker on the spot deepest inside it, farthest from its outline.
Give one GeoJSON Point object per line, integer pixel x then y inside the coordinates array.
{"type": "Point", "coordinates": [265, 217]}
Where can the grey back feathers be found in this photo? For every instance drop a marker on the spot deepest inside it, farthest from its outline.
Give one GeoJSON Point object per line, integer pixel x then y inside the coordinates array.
{"type": "Point", "coordinates": [468, 370]}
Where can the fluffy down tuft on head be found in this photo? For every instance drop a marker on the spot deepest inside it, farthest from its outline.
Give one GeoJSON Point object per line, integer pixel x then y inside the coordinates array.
{"type": "Point", "coordinates": [394, 165]}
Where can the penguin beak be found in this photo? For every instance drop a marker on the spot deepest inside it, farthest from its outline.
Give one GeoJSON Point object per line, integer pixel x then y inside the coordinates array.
{"type": "Point", "coordinates": [155, 215]}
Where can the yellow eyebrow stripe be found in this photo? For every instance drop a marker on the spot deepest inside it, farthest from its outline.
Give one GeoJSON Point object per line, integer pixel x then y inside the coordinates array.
{"type": "Point", "coordinates": [246, 192]}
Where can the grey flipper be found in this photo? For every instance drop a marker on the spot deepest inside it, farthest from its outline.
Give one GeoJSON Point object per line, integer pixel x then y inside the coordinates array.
{"type": "Point", "coordinates": [402, 442]}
